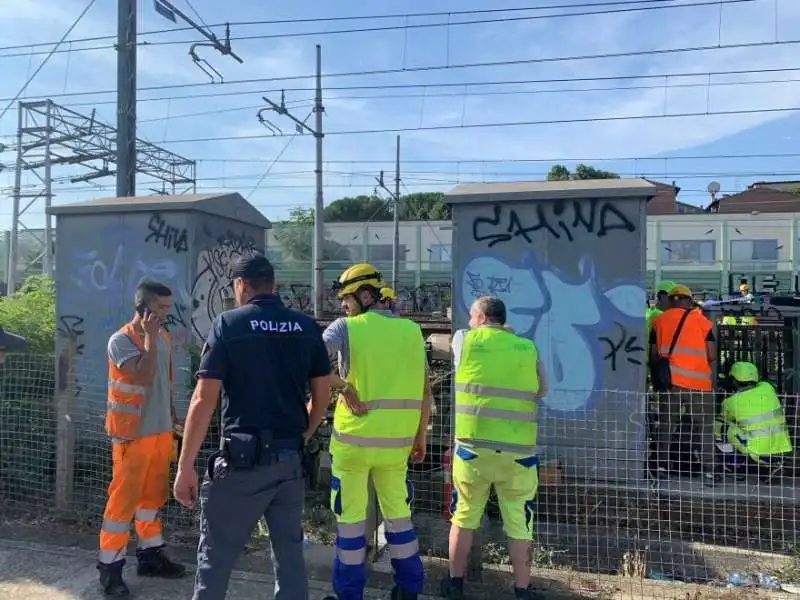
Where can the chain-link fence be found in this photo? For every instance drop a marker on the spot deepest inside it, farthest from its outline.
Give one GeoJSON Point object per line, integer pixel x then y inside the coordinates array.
{"type": "Point", "coordinates": [675, 487]}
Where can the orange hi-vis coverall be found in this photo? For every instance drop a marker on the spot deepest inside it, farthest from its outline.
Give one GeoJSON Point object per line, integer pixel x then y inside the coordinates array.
{"type": "Point", "coordinates": [140, 473]}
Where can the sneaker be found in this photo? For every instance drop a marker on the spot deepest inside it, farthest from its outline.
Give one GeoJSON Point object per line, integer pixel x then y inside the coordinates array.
{"type": "Point", "coordinates": [113, 585]}
{"type": "Point", "coordinates": [155, 563]}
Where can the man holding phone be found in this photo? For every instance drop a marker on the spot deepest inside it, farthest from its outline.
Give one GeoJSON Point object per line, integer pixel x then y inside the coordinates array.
{"type": "Point", "coordinates": [140, 418]}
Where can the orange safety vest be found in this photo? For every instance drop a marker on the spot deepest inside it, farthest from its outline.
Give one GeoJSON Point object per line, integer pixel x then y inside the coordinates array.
{"type": "Point", "coordinates": [688, 364]}
{"type": "Point", "coordinates": [126, 396]}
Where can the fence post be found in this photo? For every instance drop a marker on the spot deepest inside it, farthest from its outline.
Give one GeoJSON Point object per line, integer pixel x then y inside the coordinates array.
{"type": "Point", "coordinates": [66, 351]}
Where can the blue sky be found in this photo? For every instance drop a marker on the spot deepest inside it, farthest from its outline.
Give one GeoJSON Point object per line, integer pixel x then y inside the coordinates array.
{"type": "Point", "coordinates": [447, 156]}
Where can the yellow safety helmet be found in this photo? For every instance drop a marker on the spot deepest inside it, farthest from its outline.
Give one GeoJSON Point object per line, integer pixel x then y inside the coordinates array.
{"type": "Point", "coordinates": [744, 372]}
{"type": "Point", "coordinates": [356, 277]}
{"type": "Point", "coordinates": [388, 295]}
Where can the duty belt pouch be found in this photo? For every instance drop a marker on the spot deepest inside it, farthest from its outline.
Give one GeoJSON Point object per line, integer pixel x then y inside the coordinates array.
{"type": "Point", "coordinates": [660, 375]}
{"type": "Point", "coordinates": [243, 450]}
{"type": "Point", "coordinates": [266, 451]}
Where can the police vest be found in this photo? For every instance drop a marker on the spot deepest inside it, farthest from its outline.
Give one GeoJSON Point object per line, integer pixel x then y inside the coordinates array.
{"type": "Point", "coordinates": [126, 396]}
{"type": "Point", "coordinates": [688, 364]}
{"type": "Point", "coordinates": [391, 388]}
{"type": "Point", "coordinates": [496, 385]}
{"type": "Point", "coordinates": [756, 421]}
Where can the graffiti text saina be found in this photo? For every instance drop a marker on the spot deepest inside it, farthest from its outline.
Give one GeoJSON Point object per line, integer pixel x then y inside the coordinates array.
{"type": "Point", "coordinates": [560, 218]}
{"type": "Point", "coordinates": [160, 232]}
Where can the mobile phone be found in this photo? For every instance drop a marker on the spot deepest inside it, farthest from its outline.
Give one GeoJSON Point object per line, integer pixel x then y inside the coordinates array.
{"type": "Point", "coordinates": [141, 308]}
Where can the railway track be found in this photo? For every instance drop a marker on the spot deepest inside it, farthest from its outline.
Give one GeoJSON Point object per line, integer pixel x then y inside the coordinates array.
{"type": "Point", "coordinates": [428, 324]}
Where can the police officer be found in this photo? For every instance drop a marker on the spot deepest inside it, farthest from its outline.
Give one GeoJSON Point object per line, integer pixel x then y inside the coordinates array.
{"type": "Point", "coordinates": [262, 356]}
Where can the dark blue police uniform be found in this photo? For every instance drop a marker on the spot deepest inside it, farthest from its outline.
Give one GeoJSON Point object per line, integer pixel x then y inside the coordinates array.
{"type": "Point", "coordinates": [264, 354]}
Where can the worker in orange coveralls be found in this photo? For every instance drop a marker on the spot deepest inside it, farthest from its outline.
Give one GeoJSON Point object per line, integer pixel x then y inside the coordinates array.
{"type": "Point", "coordinates": [140, 419]}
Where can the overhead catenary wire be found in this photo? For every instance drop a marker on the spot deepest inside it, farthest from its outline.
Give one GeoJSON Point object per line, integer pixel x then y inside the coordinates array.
{"type": "Point", "coordinates": [47, 58]}
{"type": "Point", "coordinates": [630, 6]}
{"type": "Point", "coordinates": [498, 125]}
{"type": "Point", "coordinates": [434, 68]}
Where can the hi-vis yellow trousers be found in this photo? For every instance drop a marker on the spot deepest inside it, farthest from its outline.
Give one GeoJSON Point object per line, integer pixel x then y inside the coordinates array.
{"type": "Point", "coordinates": [351, 467]}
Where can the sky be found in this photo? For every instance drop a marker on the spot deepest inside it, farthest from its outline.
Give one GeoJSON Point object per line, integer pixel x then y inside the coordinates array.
{"type": "Point", "coordinates": [607, 114]}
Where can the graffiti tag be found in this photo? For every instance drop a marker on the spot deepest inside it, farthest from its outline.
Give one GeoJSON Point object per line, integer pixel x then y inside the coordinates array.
{"type": "Point", "coordinates": [211, 289]}
{"type": "Point", "coordinates": [176, 320]}
{"type": "Point", "coordinates": [598, 217]}
{"type": "Point", "coordinates": [160, 232]}
{"type": "Point", "coordinates": [628, 345]}
{"type": "Point", "coordinates": [72, 327]}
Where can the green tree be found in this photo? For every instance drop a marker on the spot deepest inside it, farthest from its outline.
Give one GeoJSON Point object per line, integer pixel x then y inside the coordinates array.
{"type": "Point", "coordinates": [358, 208]}
{"type": "Point", "coordinates": [295, 236]}
{"type": "Point", "coordinates": [424, 206]}
{"type": "Point", "coordinates": [420, 206]}
{"type": "Point", "coordinates": [31, 313]}
{"type": "Point", "coordinates": [562, 173]}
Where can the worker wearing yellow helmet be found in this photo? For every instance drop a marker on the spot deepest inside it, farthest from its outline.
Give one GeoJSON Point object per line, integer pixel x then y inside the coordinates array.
{"type": "Point", "coordinates": [751, 423]}
{"type": "Point", "coordinates": [388, 298]}
{"type": "Point", "coordinates": [380, 420]}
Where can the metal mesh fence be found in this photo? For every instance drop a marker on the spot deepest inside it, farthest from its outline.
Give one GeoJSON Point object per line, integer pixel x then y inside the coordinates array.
{"type": "Point", "coordinates": [604, 508]}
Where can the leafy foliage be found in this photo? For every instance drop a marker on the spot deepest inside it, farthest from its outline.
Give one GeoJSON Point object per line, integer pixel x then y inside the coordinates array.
{"type": "Point", "coordinates": [31, 313]}
{"type": "Point", "coordinates": [296, 238]}
{"type": "Point", "coordinates": [562, 173]}
{"type": "Point", "coordinates": [420, 206]}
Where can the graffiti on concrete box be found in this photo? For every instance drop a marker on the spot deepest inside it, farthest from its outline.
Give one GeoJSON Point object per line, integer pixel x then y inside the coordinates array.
{"type": "Point", "coordinates": [169, 236]}
{"type": "Point", "coordinates": [212, 285]}
{"type": "Point", "coordinates": [562, 219]}
{"type": "Point", "coordinates": [560, 313]}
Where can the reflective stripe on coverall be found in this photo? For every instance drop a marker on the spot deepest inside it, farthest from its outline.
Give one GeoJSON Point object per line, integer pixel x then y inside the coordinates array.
{"type": "Point", "coordinates": [496, 387]}
{"type": "Point", "coordinates": [377, 443]}
{"type": "Point", "coordinates": [755, 423]}
{"type": "Point", "coordinates": [688, 364]}
{"type": "Point", "coordinates": [140, 467]}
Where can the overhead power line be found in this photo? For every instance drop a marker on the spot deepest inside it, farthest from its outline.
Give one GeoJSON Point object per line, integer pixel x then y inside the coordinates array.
{"type": "Point", "coordinates": [44, 62]}
{"type": "Point", "coordinates": [501, 124]}
{"type": "Point", "coordinates": [477, 93]}
{"type": "Point", "coordinates": [631, 6]}
{"type": "Point", "coordinates": [478, 65]}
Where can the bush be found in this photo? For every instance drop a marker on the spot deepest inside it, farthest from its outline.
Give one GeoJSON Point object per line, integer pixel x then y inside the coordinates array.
{"type": "Point", "coordinates": [31, 313]}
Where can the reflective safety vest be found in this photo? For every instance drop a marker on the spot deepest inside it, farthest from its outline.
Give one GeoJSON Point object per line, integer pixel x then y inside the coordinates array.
{"type": "Point", "coordinates": [651, 314]}
{"type": "Point", "coordinates": [756, 425]}
{"type": "Point", "coordinates": [126, 396]}
{"type": "Point", "coordinates": [387, 370]}
{"type": "Point", "coordinates": [688, 365]}
{"type": "Point", "coordinates": [496, 385]}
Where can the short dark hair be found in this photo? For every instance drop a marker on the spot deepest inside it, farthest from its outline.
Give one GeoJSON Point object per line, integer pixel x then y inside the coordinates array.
{"type": "Point", "coordinates": [255, 269]}
{"type": "Point", "coordinates": [492, 308]}
{"type": "Point", "coordinates": [148, 290]}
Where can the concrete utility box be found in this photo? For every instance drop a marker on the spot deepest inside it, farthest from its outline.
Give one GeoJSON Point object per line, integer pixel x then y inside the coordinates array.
{"type": "Point", "coordinates": [105, 248]}
{"type": "Point", "coordinates": [568, 260]}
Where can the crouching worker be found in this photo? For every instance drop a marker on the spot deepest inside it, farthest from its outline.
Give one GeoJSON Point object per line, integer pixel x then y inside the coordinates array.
{"type": "Point", "coordinates": [499, 380]}
{"type": "Point", "coordinates": [751, 430]}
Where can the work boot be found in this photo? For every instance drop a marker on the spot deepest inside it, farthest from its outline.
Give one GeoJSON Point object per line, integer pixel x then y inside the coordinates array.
{"type": "Point", "coordinates": [399, 593]}
{"type": "Point", "coordinates": [112, 584]}
{"type": "Point", "coordinates": [452, 588]}
{"type": "Point", "coordinates": [154, 562]}
{"type": "Point", "coordinates": [528, 593]}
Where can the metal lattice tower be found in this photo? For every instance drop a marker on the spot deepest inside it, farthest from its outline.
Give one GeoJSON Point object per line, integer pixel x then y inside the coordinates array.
{"type": "Point", "coordinates": [50, 135]}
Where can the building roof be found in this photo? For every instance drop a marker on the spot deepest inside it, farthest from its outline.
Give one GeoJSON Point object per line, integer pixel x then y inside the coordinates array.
{"type": "Point", "coordinates": [551, 190]}
{"type": "Point", "coordinates": [230, 206]}
{"type": "Point", "coordinates": [759, 199]}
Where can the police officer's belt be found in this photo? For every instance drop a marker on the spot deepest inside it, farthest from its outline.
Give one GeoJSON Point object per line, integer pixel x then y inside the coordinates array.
{"type": "Point", "coordinates": [247, 449]}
